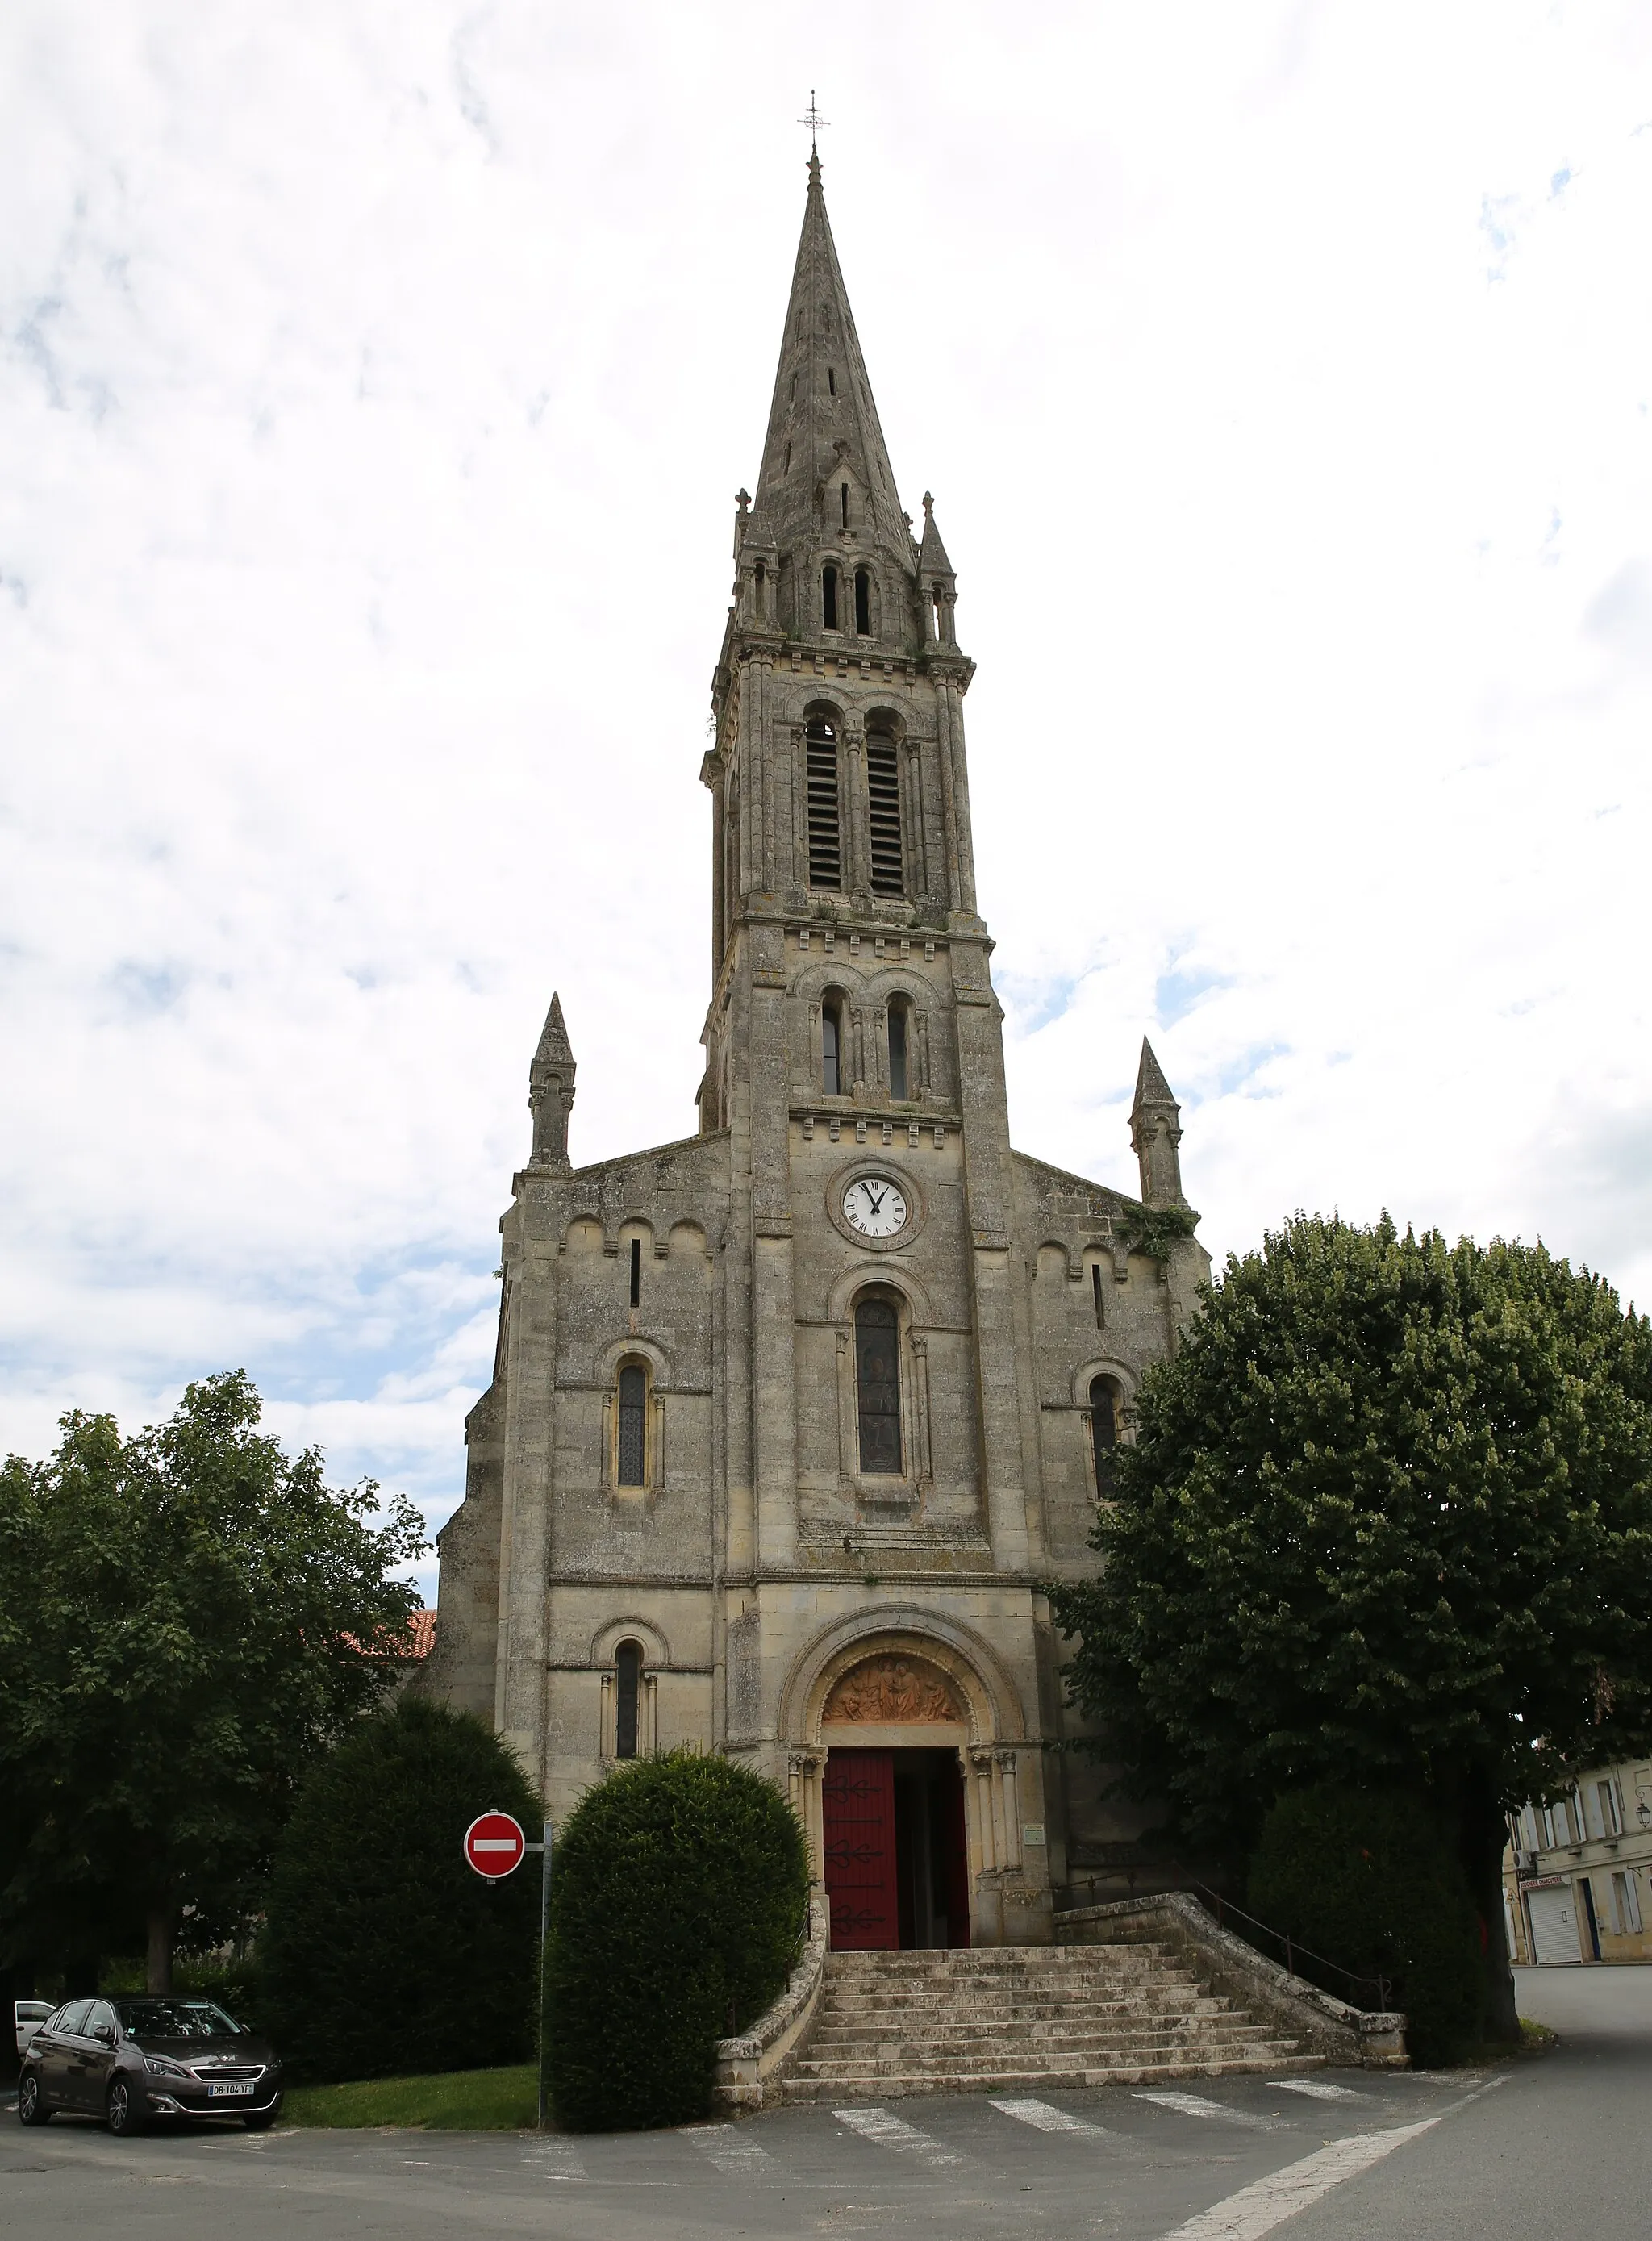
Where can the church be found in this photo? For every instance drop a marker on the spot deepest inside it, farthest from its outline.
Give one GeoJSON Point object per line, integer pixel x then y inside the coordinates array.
{"type": "Point", "coordinates": [793, 1420]}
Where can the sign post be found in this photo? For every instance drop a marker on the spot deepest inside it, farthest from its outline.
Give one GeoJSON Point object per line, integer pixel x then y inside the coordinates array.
{"type": "Point", "coordinates": [495, 1846]}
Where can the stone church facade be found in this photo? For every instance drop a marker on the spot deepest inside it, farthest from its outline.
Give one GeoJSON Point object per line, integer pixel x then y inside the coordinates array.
{"type": "Point", "coordinates": [792, 1421]}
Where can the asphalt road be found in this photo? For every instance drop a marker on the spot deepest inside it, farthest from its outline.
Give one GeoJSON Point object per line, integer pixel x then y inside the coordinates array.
{"type": "Point", "coordinates": [1555, 2146]}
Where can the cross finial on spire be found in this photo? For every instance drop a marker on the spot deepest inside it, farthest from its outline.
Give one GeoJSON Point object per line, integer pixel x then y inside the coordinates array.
{"type": "Point", "coordinates": [817, 124]}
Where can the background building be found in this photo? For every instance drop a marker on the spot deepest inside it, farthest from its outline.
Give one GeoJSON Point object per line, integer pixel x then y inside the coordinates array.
{"type": "Point", "coordinates": [1577, 1876]}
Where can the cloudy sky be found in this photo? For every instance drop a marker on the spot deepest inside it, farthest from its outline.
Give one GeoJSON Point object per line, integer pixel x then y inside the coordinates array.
{"type": "Point", "coordinates": [375, 382]}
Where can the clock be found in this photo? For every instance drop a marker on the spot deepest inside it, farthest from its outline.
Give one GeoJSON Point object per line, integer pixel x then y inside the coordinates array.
{"type": "Point", "coordinates": [875, 1206]}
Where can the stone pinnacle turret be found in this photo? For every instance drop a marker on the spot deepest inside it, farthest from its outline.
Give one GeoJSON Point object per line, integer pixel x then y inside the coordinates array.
{"type": "Point", "coordinates": [551, 1091]}
{"type": "Point", "coordinates": [1155, 1131]}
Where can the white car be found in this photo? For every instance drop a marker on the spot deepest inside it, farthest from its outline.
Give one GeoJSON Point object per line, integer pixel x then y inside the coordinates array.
{"type": "Point", "coordinates": [28, 2015]}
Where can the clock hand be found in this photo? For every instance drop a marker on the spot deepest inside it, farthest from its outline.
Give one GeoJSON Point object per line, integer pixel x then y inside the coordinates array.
{"type": "Point", "coordinates": [876, 1203]}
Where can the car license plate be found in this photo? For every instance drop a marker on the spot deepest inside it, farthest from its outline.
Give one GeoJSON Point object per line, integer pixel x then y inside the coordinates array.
{"type": "Point", "coordinates": [228, 2092]}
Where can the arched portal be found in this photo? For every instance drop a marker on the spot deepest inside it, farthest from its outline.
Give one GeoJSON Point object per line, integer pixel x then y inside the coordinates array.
{"type": "Point", "coordinates": [907, 1768]}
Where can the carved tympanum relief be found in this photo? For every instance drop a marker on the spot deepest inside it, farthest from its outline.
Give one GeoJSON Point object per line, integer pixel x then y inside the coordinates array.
{"type": "Point", "coordinates": [889, 1690]}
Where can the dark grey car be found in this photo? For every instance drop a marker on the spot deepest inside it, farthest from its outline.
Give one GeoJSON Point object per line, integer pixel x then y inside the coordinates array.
{"type": "Point", "coordinates": [135, 2058]}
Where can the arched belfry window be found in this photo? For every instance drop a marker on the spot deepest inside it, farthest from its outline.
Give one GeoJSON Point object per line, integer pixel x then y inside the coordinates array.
{"type": "Point", "coordinates": [1104, 1432]}
{"type": "Point", "coordinates": [883, 804]}
{"type": "Point", "coordinates": [631, 1460]}
{"type": "Point", "coordinates": [820, 758]}
{"type": "Point", "coordinates": [863, 602]}
{"type": "Point", "coordinates": [829, 597]}
{"type": "Point", "coordinates": [877, 1360]}
{"type": "Point", "coordinates": [627, 1696]}
{"type": "Point", "coordinates": [831, 1048]}
{"type": "Point", "coordinates": [900, 1049]}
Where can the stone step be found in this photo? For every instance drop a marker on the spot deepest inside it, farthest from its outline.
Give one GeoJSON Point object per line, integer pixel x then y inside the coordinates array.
{"type": "Point", "coordinates": [1077, 2032]}
{"type": "Point", "coordinates": [1082, 2046]}
{"type": "Point", "coordinates": [1001, 1995]}
{"type": "Point", "coordinates": [891, 2086]}
{"type": "Point", "coordinates": [1106, 2000]}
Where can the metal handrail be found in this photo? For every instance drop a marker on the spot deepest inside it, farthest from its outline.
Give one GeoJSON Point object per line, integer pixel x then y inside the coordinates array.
{"type": "Point", "coordinates": [1293, 1949]}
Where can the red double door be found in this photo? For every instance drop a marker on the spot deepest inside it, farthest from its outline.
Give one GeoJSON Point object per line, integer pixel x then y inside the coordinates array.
{"type": "Point", "coordinates": [881, 1897]}
{"type": "Point", "coordinates": [858, 1827]}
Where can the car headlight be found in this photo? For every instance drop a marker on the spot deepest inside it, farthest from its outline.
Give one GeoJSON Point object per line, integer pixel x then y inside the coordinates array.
{"type": "Point", "coordinates": [158, 2066]}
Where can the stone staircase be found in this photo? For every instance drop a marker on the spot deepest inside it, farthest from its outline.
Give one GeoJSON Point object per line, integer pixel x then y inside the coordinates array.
{"type": "Point", "coordinates": [1007, 2018]}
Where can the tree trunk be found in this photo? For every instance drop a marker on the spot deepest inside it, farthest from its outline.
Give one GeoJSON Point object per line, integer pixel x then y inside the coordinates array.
{"type": "Point", "coordinates": [1485, 1832]}
{"type": "Point", "coordinates": [158, 1976]}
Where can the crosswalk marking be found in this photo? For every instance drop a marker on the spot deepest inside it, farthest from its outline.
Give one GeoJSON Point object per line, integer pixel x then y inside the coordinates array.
{"type": "Point", "coordinates": [1195, 2104]}
{"type": "Point", "coordinates": [727, 2147]}
{"type": "Point", "coordinates": [1046, 2119]}
{"type": "Point", "coordinates": [891, 2131]}
{"type": "Point", "coordinates": [1321, 2088]}
{"type": "Point", "coordinates": [1256, 2209]}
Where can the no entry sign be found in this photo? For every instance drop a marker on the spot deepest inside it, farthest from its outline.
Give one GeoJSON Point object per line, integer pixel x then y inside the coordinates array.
{"type": "Point", "coordinates": [494, 1844]}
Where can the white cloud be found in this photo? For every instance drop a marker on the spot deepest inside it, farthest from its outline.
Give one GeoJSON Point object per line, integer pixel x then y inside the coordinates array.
{"type": "Point", "coordinates": [374, 383]}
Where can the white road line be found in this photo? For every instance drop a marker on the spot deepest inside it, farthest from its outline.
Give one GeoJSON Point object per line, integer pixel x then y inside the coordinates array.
{"type": "Point", "coordinates": [1195, 2104]}
{"type": "Point", "coordinates": [891, 2131]}
{"type": "Point", "coordinates": [1047, 2119]}
{"type": "Point", "coordinates": [555, 2159]}
{"type": "Point", "coordinates": [1256, 2209]}
{"type": "Point", "coordinates": [1319, 2088]}
{"type": "Point", "coordinates": [728, 2149]}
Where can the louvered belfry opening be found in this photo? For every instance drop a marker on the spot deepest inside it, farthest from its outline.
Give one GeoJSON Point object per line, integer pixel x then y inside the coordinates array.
{"type": "Point", "coordinates": [883, 790]}
{"type": "Point", "coordinates": [825, 851]}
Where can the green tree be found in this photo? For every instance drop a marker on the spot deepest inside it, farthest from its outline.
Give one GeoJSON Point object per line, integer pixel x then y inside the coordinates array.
{"type": "Point", "coordinates": [384, 1951]}
{"type": "Point", "coordinates": [679, 1905]}
{"type": "Point", "coordinates": [1364, 1876]}
{"type": "Point", "coordinates": [187, 1619]}
{"type": "Point", "coordinates": [1388, 1520]}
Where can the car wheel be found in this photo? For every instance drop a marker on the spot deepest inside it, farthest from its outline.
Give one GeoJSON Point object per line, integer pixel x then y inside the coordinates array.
{"type": "Point", "coordinates": [262, 2121]}
{"type": "Point", "coordinates": [32, 2102]}
{"type": "Point", "coordinates": [124, 2117]}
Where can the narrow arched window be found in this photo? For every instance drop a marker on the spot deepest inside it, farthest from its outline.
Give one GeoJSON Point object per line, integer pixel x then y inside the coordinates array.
{"type": "Point", "coordinates": [830, 1051]}
{"type": "Point", "coordinates": [829, 597]}
{"type": "Point", "coordinates": [760, 586]}
{"type": "Point", "coordinates": [633, 1425]}
{"type": "Point", "coordinates": [627, 1690]}
{"type": "Point", "coordinates": [863, 602]}
{"type": "Point", "coordinates": [898, 1062]}
{"type": "Point", "coordinates": [831, 381]}
{"type": "Point", "coordinates": [843, 503]}
{"type": "Point", "coordinates": [877, 1351]}
{"type": "Point", "coordinates": [882, 809]}
{"type": "Point", "coordinates": [820, 758]}
{"type": "Point", "coordinates": [1104, 1432]}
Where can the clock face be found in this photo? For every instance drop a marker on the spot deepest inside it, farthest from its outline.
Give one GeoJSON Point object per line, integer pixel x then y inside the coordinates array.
{"type": "Point", "coordinates": [874, 1206]}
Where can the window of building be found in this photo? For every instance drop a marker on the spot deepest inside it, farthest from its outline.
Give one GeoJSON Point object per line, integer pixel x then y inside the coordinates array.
{"type": "Point", "coordinates": [831, 1048]}
{"type": "Point", "coordinates": [627, 1690]}
{"type": "Point", "coordinates": [863, 601]}
{"type": "Point", "coordinates": [636, 1271]}
{"type": "Point", "coordinates": [883, 793]}
{"type": "Point", "coordinates": [821, 758]}
{"type": "Point", "coordinates": [1611, 1819]}
{"type": "Point", "coordinates": [1104, 1432]}
{"type": "Point", "coordinates": [1095, 1287]}
{"type": "Point", "coordinates": [877, 1353]}
{"type": "Point", "coordinates": [843, 504]}
{"type": "Point", "coordinates": [829, 597]}
{"type": "Point", "coordinates": [1628, 1899]}
{"type": "Point", "coordinates": [831, 381]}
{"type": "Point", "coordinates": [633, 1426]}
{"type": "Point", "coordinates": [899, 1021]}
{"type": "Point", "coordinates": [760, 587]}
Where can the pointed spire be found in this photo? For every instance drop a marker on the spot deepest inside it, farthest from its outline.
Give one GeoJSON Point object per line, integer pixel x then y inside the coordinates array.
{"type": "Point", "coordinates": [1151, 1088]}
{"type": "Point", "coordinates": [554, 1048]}
{"type": "Point", "coordinates": [823, 425]}
{"type": "Point", "coordinates": [1155, 1131]}
{"type": "Point", "coordinates": [551, 1091]}
{"type": "Point", "coordinates": [931, 553]}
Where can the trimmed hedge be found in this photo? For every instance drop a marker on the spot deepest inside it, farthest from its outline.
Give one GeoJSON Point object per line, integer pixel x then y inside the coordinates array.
{"type": "Point", "coordinates": [678, 1904]}
{"type": "Point", "coordinates": [1365, 1878]}
{"type": "Point", "coordinates": [385, 1953]}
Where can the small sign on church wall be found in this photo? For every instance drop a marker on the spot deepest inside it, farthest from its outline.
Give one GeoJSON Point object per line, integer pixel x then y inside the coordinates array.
{"type": "Point", "coordinates": [1032, 1832]}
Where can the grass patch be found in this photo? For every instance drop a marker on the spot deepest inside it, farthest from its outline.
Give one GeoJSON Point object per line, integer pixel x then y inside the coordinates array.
{"type": "Point", "coordinates": [458, 2101]}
